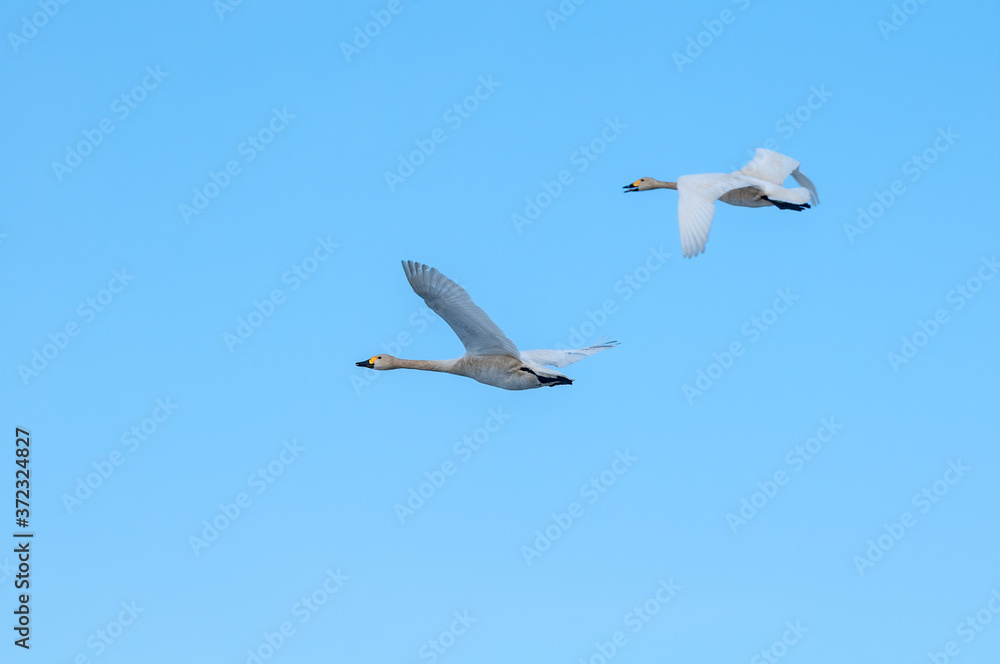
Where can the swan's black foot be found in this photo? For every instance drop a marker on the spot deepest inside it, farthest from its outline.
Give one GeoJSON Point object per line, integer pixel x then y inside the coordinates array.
{"type": "Point", "coordinates": [549, 381]}
{"type": "Point", "coordinates": [782, 205]}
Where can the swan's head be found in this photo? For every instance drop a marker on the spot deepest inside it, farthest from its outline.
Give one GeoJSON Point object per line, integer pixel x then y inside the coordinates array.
{"type": "Point", "coordinates": [642, 184]}
{"type": "Point", "coordinates": [645, 184]}
{"type": "Point", "coordinates": [378, 362]}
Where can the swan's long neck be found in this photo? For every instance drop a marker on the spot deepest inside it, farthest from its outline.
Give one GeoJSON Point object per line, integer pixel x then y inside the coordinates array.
{"type": "Point", "coordinates": [446, 366]}
{"type": "Point", "coordinates": [665, 185]}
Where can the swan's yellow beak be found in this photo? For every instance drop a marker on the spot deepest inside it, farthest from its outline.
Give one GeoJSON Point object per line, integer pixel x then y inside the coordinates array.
{"type": "Point", "coordinates": [367, 364]}
{"type": "Point", "coordinates": [631, 187]}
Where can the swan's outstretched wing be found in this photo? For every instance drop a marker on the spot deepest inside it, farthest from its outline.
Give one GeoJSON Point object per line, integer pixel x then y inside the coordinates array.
{"type": "Point", "coordinates": [696, 206]}
{"type": "Point", "coordinates": [769, 165]}
{"type": "Point", "coordinates": [563, 358]}
{"type": "Point", "coordinates": [801, 178]}
{"type": "Point", "coordinates": [478, 333]}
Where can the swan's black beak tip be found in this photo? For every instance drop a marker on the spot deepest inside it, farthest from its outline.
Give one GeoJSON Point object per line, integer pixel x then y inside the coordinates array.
{"type": "Point", "coordinates": [630, 187]}
{"type": "Point", "coordinates": [367, 364]}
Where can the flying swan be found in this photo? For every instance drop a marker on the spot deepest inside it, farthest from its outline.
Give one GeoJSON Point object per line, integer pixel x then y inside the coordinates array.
{"type": "Point", "coordinates": [758, 184]}
{"type": "Point", "coordinates": [490, 357]}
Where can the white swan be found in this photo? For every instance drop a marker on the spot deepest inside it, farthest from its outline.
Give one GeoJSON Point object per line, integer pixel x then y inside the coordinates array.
{"type": "Point", "coordinates": [758, 184]}
{"type": "Point", "coordinates": [490, 357]}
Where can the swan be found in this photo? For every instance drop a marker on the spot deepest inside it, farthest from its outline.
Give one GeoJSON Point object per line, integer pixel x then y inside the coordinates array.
{"type": "Point", "coordinates": [758, 184]}
{"type": "Point", "coordinates": [490, 357]}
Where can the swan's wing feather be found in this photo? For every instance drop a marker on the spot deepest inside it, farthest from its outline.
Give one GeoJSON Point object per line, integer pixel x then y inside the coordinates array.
{"type": "Point", "coordinates": [769, 165]}
{"type": "Point", "coordinates": [478, 333]}
{"type": "Point", "coordinates": [801, 178]}
{"type": "Point", "coordinates": [563, 358]}
{"type": "Point", "coordinates": [696, 206]}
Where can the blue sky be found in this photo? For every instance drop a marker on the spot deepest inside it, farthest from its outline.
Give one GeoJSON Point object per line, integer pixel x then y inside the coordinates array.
{"type": "Point", "coordinates": [204, 213]}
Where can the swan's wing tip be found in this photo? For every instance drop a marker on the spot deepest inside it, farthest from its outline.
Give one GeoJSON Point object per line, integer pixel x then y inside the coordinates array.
{"type": "Point", "coordinates": [414, 266]}
{"type": "Point", "coordinates": [801, 178]}
{"type": "Point", "coordinates": [694, 250]}
{"type": "Point", "coordinates": [564, 357]}
{"type": "Point", "coordinates": [415, 272]}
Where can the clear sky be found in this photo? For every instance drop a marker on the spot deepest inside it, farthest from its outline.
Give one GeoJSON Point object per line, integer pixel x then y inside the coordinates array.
{"type": "Point", "coordinates": [792, 455]}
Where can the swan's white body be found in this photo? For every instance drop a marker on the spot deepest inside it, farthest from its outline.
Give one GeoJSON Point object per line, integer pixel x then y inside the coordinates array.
{"type": "Point", "coordinates": [758, 184]}
{"type": "Point", "coordinates": [490, 357]}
